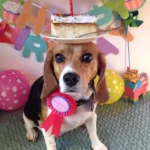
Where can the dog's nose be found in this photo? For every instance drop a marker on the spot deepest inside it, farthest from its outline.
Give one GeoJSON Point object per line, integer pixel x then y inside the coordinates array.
{"type": "Point", "coordinates": [71, 79]}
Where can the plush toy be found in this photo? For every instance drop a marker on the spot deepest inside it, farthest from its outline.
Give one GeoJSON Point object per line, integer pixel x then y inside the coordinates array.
{"type": "Point", "coordinates": [14, 90]}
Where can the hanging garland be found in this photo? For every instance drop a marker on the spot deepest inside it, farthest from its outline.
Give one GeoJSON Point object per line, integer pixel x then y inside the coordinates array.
{"type": "Point", "coordinates": [22, 37]}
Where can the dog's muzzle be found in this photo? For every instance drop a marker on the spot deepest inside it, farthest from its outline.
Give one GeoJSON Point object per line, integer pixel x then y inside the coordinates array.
{"type": "Point", "coordinates": [71, 79]}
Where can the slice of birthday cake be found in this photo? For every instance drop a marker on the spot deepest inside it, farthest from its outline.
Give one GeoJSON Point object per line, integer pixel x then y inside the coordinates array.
{"type": "Point", "coordinates": [67, 26]}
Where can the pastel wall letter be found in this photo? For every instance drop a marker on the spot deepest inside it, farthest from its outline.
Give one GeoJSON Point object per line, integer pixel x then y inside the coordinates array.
{"type": "Point", "coordinates": [35, 44]}
{"type": "Point", "coordinates": [8, 34]}
{"type": "Point", "coordinates": [26, 16]}
{"type": "Point", "coordinates": [106, 47]}
{"type": "Point", "coordinates": [22, 38]}
{"type": "Point", "coordinates": [106, 12]}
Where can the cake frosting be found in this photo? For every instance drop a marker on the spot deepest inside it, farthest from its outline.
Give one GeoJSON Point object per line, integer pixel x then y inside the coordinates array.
{"type": "Point", "coordinates": [73, 19]}
{"type": "Point", "coordinates": [12, 7]}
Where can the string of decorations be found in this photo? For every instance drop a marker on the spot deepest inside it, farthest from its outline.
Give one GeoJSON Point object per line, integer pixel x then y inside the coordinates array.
{"type": "Point", "coordinates": [14, 13]}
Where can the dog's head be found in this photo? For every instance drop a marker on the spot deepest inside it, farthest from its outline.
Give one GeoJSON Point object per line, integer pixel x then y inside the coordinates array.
{"type": "Point", "coordinates": [72, 69]}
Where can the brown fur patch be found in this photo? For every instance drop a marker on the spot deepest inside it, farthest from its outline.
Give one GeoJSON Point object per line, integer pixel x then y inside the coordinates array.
{"type": "Point", "coordinates": [101, 93]}
{"type": "Point", "coordinates": [73, 54]}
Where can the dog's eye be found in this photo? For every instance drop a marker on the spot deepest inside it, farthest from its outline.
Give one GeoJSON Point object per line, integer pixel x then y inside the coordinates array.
{"type": "Point", "coordinates": [87, 57]}
{"type": "Point", "coordinates": [59, 58]}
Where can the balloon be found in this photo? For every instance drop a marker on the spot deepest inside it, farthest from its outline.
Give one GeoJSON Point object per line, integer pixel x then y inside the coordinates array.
{"type": "Point", "coordinates": [115, 85]}
{"type": "Point", "coordinates": [134, 5]}
{"type": "Point", "coordinates": [14, 90]}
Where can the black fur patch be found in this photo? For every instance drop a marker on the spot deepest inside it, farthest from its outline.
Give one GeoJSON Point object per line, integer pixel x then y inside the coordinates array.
{"type": "Point", "coordinates": [32, 108]}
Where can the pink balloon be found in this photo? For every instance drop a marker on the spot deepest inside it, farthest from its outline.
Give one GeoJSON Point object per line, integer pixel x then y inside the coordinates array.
{"type": "Point", "coordinates": [14, 90]}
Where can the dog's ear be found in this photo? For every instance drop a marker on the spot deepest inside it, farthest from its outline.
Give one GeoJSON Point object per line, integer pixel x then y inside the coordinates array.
{"type": "Point", "coordinates": [101, 91]}
{"type": "Point", "coordinates": [50, 82]}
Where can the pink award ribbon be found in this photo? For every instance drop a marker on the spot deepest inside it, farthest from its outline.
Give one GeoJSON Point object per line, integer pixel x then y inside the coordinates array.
{"type": "Point", "coordinates": [61, 105]}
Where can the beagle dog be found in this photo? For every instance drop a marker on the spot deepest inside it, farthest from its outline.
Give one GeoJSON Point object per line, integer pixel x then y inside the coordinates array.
{"type": "Point", "coordinates": [71, 68]}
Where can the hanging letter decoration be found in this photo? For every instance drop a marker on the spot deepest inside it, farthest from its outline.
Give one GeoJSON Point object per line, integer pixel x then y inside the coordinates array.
{"type": "Point", "coordinates": [36, 45]}
{"type": "Point", "coordinates": [106, 47]}
{"type": "Point", "coordinates": [22, 38]}
{"type": "Point", "coordinates": [106, 12]}
{"type": "Point", "coordinates": [26, 16]}
{"type": "Point", "coordinates": [9, 34]}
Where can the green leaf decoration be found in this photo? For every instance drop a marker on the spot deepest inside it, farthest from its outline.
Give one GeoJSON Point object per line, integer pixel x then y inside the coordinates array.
{"type": "Point", "coordinates": [118, 7]}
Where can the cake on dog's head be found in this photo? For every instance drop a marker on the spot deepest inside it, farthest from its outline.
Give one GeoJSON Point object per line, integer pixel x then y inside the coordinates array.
{"type": "Point", "coordinates": [68, 26]}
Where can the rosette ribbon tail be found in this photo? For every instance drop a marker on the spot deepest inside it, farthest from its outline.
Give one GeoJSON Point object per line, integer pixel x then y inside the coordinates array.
{"type": "Point", "coordinates": [55, 121]}
{"type": "Point", "coordinates": [57, 125]}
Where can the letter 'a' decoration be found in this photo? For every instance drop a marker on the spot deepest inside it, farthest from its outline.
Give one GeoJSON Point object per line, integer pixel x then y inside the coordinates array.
{"type": "Point", "coordinates": [26, 16]}
{"type": "Point", "coordinates": [35, 44]}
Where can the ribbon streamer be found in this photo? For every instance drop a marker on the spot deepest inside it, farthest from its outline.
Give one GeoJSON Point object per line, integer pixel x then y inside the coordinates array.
{"type": "Point", "coordinates": [54, 121]}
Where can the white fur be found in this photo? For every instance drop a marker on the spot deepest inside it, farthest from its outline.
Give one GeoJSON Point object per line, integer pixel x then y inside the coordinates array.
{"type": "Point", "coordinates": [31, 133]}
{"type": "Point", "coordinates": [49, 140]}
{"type": "Point", "coordinates": [83, 115]}
{"type": "Point", "coordinates": [81, 90]}
{"type": "Point", "coordinates": [62, 85]}
{"type": "Point", "coordinates": [91, 127]}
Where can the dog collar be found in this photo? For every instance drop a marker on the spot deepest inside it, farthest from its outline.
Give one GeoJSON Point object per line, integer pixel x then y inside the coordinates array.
{"type": "Point", "coordinates": [91, 102]}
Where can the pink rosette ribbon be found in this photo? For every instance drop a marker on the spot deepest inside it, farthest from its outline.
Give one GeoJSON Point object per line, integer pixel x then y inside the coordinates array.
{"type": "Point", "coordinates": [61, 105]}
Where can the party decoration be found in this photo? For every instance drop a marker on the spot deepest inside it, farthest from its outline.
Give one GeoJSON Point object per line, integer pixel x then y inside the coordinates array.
{"type": "Point", "coordinates": [2, 27]}
{"type": "Point", "coordinates": [135, 85]}
{"type": "Point", "coordinates": [14, 90]}
{"type": "Point", "coordinates": [134, 5]}
{"type": "Point", "coordinates": [3, 39]}
{"type": "Point", "coordinates": [115, 85]}
{"type": "Point", "coordinates": [35, 44]}
{"type": "Point", "coordinates": [132, 21]}
{"type": "Point", "coordinates": [10, 34]}
{"type": "Point", "coordinates": [22, 38]}
{"type": "Point", "coordinates": [117, 6]}
{"type": "Point", "coordinates": [71, 7]}
{"type": "Point", "coordinates": [129, 37]}
{"type": "Point", "coordinates": [25, 16]}
{"type": "Point", "coordinates": [121, 32]}
{"type": "Point", "coordinates": [11, 11]}
{"type": "Point", "coordinates": [61, 105]}
{"type": "Point", "coordinates": [106, 47]}
{"type": "Point", "coordinates": [96, 11]}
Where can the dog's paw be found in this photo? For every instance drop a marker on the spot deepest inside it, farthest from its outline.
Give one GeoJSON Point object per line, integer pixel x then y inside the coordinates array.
{"type": "Point", "coordinates": [100, 146]}
{"type": "Point", "coordinates": [32, 136]}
